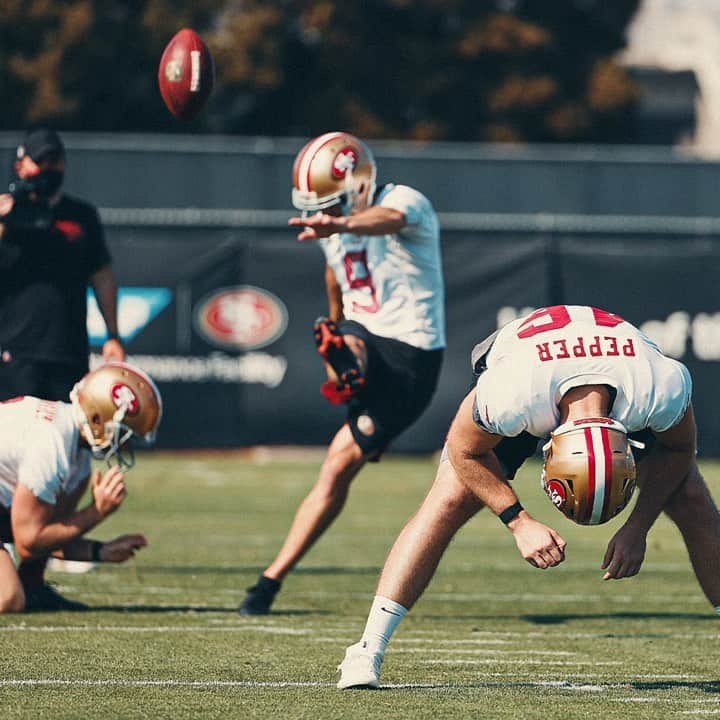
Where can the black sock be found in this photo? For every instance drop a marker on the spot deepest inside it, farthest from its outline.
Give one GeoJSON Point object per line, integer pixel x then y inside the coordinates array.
{"type": "Point", "coordinates": [267, 585]}
{"type": "Point", "coordinates": [32, 573]}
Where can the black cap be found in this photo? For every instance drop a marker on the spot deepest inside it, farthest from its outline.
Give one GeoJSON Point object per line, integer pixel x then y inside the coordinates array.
{"type": "Point", "coordinates": [40, 144]}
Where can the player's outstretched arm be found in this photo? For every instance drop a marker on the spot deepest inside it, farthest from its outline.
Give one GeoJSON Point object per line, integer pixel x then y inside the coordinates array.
{"type": "Point", "coordinates": [470, 452]}
{"type": "Point", "coordinates": [122, 548]}
{"type": "Point", "coordinates": [119, 550]}
{"type": "Point", "coordinates": [660, 473]}
{"type": "Point", "coordinates": [375, 220]}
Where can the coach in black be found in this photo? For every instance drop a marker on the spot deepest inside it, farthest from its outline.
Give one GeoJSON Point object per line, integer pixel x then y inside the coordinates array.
{"type": "Point", "coordinates": [52, 247]}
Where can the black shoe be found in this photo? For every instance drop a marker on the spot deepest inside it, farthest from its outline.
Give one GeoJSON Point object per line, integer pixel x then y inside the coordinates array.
{"type": "Point", "coordinates": [45, 597]}
{"type": "Point", "coordinates": [260, 597]}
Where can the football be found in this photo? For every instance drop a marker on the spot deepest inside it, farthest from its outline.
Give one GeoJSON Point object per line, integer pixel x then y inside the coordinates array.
{"type": "Point", "coordinates": [186, 74]}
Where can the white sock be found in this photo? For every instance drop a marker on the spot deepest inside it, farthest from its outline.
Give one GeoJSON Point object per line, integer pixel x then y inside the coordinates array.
{"type": "Point", "coordinates": [385, 615]}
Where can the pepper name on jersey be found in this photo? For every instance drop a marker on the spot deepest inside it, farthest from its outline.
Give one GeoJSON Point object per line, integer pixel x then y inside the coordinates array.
{"type": "Point", "coordinates": [535, 360]}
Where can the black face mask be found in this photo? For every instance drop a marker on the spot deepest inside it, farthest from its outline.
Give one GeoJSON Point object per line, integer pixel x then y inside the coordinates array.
{"type": "Point", "coordinates": [45, 184]}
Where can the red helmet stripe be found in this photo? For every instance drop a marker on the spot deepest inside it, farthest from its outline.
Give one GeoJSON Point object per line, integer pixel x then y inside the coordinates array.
{"type": "Point", "coordinates": [607, 453]}
{"type": "Point", "coordinates": [311, 150]}
{"type": "Point", "coordinates": [591, 474]}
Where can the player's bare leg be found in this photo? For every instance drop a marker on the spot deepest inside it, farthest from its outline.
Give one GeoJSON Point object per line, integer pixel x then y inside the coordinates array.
{"type": "Point", "coordinates": [409, 567]}
{"type": "Point", "coordinates": [342, 463]}
{"type": "Point", "coordinates": [316, 513]}
{"type": "Point", "coordinates": [12, 597]}
{"type": "Point", "coordinates": [694, 512]}
{"type": "Point", "coordinates": [323, 504]}
{"type": "Point", "coordinates": [414, 557]}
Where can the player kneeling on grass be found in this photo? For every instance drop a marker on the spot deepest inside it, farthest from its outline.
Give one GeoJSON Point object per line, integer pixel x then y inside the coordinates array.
{"type": "Point", "coordinates": [45, 452]}
{"type": "Point", "coordinates": [600, 390]}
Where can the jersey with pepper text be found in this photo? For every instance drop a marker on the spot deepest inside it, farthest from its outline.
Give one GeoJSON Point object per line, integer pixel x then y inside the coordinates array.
{"type": "Point", "coordinates": [535, 360]}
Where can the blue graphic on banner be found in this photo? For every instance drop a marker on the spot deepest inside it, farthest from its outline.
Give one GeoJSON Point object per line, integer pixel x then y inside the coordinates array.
{"type": "Point", "coordinates": [137, 307]}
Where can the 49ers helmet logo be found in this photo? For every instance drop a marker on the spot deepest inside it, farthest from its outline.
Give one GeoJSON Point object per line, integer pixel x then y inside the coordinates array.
{"type": "Point", "coordinates": [123, 396]}
{"type": "Point", "coordinates": [556, 492]}
{"type": "Point", "coordinates": [344, 162]}
{"type": "Point", "coordinates": [241, 318]}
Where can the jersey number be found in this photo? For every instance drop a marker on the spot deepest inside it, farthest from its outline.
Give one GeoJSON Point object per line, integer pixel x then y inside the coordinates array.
{"type": "Point", "coordinates": [557, 317]}
{"type": "Point", "coordinates": [358, 276]}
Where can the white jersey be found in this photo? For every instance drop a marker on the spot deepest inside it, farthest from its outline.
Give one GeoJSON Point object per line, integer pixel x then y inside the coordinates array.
{"type": "Point", "coordinates": [393, 284]}
{"type": "Point", "coordinates": [536, 359]}
{"type": "Point", "coordinates": [39, 449]}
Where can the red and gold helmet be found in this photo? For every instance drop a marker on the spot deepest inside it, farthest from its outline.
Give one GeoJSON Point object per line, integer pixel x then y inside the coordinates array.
{"type": "Point", "coordinates": [333, 169]}
{"type": "Point", "coordinates": [112, 404]}
{"type": "Point", "coordinates": [589, 469]}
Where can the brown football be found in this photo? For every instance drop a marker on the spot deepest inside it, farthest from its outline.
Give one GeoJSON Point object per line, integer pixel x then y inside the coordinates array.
{"type": "Point", "coordinates": [186, 74]}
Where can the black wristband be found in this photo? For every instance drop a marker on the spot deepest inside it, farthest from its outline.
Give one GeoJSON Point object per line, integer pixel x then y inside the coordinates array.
{"type": "Point", "coordinates": [114, 336]}
{"type": "Point", "coordinates": [95, 546]}
{"type": "Point", "coordinates": [510, 513]}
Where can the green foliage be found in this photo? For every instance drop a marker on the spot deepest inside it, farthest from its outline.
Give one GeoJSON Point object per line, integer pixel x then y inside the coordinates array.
{"type": "Point", "coordinates": [513, 70]}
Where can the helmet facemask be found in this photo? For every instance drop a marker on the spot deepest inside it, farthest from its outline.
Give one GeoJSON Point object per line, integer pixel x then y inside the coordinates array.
{"type": "Point", "coordinates": [589, 471]}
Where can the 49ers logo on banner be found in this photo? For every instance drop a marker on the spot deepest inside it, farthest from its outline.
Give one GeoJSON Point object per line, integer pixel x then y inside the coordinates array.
{"type": "Point", "coordinates": [123, 396]}
{"type": "Point", "coordinates": [344, 162]}
{"type": "Point", "coordinates": [241, 318]}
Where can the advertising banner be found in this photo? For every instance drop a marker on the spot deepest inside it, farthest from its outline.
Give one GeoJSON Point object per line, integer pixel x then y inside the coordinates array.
{"type": "Point", "coordinates": [222, 320]}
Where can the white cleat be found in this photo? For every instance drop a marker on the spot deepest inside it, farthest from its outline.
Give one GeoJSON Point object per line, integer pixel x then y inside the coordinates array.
{"type": "Point", "coordinates": [360, 668]}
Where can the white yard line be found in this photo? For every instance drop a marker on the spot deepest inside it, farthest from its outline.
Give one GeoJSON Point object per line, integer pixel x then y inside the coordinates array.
{"type": "Point", "coordinates": [45, 682]}
{"type": "Point", "coordinates": [480, 651]}
{"type": "Point", "coordinates": [345, 633]}
{"type": "Point", "coordinates": [500, 661]}
{"type": "Point", "coordinates": [562, 685]}
{"type": "Point", "coordinates": [270, 629]}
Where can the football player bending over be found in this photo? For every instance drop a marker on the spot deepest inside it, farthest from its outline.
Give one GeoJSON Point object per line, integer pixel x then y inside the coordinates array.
{"type": "Point", "coordinates": [45, 469]}
{"type": "Point", "coordinates": [383, 341]}
{"type": "Point", "coordinates": [606, 398]}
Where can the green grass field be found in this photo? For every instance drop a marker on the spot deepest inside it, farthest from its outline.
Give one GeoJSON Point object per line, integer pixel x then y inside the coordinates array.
{"type": "Point", "coordinates": [492, 637]}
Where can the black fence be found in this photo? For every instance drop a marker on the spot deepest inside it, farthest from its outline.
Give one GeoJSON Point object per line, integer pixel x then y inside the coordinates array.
{"type": "Point", "coordinates": [218, 298]}
{"type": "Point", "coordinates": [222, 319]}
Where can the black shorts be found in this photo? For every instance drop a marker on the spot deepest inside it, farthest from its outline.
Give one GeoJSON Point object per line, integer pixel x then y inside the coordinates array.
{"type": "Point", "coordinates": [401, 380]}
{"type": "Point", "coordinates": [6, 535]}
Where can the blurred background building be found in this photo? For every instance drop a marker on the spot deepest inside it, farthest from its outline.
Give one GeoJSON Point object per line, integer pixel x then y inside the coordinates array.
{"type": "Point", "coordinates": [673, 54]}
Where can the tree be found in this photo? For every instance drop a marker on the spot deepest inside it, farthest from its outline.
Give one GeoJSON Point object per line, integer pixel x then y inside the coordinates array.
{"type": "Point", "coordinates": [522, 70]}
